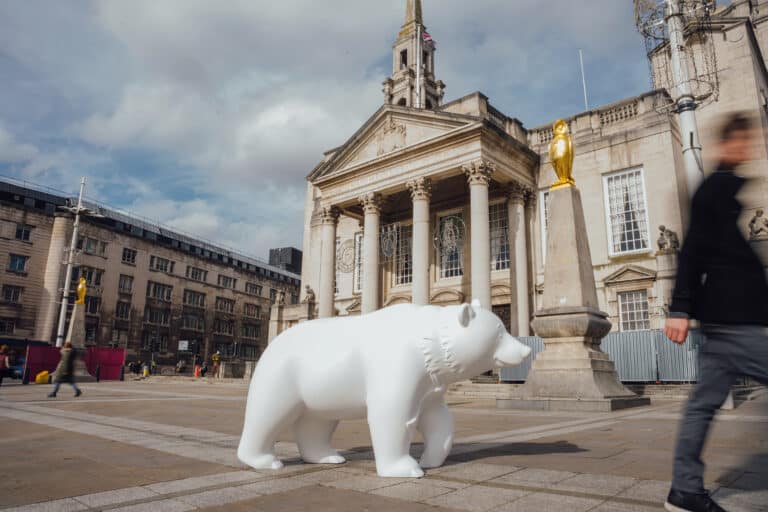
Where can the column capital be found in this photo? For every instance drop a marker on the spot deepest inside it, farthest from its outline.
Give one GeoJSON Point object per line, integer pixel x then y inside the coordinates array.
{"type": "Point", "coordinates": [479, 173]}
{"type": "Point", "coordinates": [330, 214]}
{"type": "Point", "coordinates": [531, 197]}
{"type": "Point", "coordinates": [421, 188]}
{"type": "Point", "coordinates": [371, 202]}
{"type": "Point", "coordinates": [517, 192]}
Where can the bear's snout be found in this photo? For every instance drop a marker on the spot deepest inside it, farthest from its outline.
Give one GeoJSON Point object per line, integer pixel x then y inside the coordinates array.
{"type": "Point", "coordinates": [510, 352]}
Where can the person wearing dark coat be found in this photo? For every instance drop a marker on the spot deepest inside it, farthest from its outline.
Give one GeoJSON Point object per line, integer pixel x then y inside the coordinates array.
{"type": "Point", "coordinates": [721, 282]}
{"type": "Point", "coordinates": [65, 371]}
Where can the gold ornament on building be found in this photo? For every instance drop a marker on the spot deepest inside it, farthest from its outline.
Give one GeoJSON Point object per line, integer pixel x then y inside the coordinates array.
{"type": "Point", "coordinates": [561, 155]}
{"type": "Point", "coordinates": [81, 291]}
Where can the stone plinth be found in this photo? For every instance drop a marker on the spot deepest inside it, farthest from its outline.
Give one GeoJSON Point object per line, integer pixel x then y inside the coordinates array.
{"type": "Point", "coordinates": [76, 331]}
{"type": "Point", "coordinates": [572, 373]}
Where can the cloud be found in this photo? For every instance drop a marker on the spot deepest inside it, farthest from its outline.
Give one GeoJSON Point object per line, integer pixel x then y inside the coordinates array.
{"type": "Point", "coordinates": [208, 115]}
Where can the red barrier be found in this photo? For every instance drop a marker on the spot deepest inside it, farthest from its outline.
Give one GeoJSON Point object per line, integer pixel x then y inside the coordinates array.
{"type": "Point", "coordinates": [41, 358]}
{"type": "Point", "coordinates": [110, 362]}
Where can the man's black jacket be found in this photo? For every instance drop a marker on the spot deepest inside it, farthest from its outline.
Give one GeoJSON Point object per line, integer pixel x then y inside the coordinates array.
{"type": "Point", "coordinates": [720, 279]}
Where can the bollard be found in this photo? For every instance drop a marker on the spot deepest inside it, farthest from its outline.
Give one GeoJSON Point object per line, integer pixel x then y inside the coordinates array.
{"type": "Point", "coordinates": [25, 376]}
{"type": "Point", "coordinates": [122, 373]}
{"type": "Point", "coordinates": [98, 373]}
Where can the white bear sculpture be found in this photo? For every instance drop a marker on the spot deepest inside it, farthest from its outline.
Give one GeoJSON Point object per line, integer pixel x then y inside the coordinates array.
{"type": "Point", "coordinates": [391, 366]}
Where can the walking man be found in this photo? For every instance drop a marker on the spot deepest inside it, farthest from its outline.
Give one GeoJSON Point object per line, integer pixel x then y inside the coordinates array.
{"type": "Point", "coordinates": [722, 283]}
{"type": "Point", "coordinates": [65, 371]}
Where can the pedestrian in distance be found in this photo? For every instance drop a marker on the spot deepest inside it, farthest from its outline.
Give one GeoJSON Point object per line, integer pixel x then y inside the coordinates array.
{"type": "Point", "coordinates": [720, 282]}
{"type": "Point", "coordinates": [65, 371]}
{"type": "Point", "coordinates": [5, 363]}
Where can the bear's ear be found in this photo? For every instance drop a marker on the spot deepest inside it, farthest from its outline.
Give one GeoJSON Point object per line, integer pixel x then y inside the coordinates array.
{"type": "Point", "coordinates": [476, 304]}
{"type": "Point", "coordinates": [466, 314]}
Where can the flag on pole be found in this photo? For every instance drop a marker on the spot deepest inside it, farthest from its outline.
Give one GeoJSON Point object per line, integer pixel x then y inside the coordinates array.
{"type": "Point", "coordinates": [429, 43]}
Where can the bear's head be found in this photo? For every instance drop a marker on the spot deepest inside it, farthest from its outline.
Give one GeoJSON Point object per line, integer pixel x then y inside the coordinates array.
{"type": "Point", "coordinates": [474, 341]}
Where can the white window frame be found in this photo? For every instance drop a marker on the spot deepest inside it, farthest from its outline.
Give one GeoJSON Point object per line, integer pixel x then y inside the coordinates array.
{"type": "Point", "coordinates": [620, 303]}
{"type": "Point", "coordinates": [407, 279]}
{"type": "Point", "coordinates": [12, 294]}
{"type": "Point", "coordinates": [504, 224]}
{"type": "Point", "coordinates": [459, 212]}
{"type": "Point", "coordinates": [543, 223]}
{"type": "Point", "coordinates": [607, 206]}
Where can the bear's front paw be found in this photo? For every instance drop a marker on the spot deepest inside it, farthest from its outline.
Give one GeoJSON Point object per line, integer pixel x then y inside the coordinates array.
{"type": "Point", "coordinates": [407, 467]}
{"type": "Point", "coordinates": [327, 459]}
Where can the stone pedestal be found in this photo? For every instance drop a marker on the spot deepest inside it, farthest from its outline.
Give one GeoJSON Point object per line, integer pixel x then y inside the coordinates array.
{"type": "Point", "coordinates": [572, 373]}
{"type": "Point", "coordinates": [76, 336]}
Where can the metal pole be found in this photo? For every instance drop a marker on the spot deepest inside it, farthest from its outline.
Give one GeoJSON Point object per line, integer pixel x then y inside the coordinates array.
{"type": "Point", "coordinates": [68, 274]}
{"type": "Point", "coordinates": [583, 80]}
{"type": "Point", "coordinates": [686, 104]}
{"type": "Point", "coordinates": [418, 66]}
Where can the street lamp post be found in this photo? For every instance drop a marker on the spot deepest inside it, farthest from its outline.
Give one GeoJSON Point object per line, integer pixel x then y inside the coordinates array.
{"type": "Point", "coordinates": [70, 262]}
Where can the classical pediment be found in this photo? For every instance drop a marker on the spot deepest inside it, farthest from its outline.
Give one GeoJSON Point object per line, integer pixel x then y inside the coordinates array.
{"type": "Point", "coordinates": [390, 130]}
{"type": "Point", "coordinates": [630, 273]}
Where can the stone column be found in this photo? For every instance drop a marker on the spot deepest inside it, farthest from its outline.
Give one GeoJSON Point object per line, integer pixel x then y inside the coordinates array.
{"type": "Point", "coordinates": [371, 203]}
{"type": "Point", "coordinates": [51, 293]}
{"type": "Point", "coordinates": [421, 192]}
{"type": "Point", "coordinates": [330, 219]}
{"type": "Point", "coordinates": [518, 268]}
{"type": "Point", "coordinates": [530, 226]}
{"type": "Point", "coordinates": [479, 178]}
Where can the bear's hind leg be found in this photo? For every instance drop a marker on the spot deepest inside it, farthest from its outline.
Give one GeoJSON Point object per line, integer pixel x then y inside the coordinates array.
{"type": "Point", "coordinates": [313, 436]}
{"type": "Point", "coordinates": [266, 415]}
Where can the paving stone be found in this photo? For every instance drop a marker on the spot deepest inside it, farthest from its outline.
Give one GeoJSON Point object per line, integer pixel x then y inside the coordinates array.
{"type": "Point", "coordinates": [218, 497]}
{"type": "Point", "coordinates": [275, 486]}
{"type": "Point", "coordinates": [652, 491]}
{"type": "Point", "coordinates": [364, 483]}
{"type": "Point", "coordinates": [610, 506]}
{"type": "Point", "coordinates": [603, 485]}
{"type": "Point", "coordinates": [476, 498]}
{"type": "Point", "coordinates": [545, 502]}
{"type": "Point", "coordinates": [195, 483]}
{"type": "Point", "coordinates": [320, 477]}
{"type": "Point", "coordinates": [474, 471]}
{"type": "Point", "coordinates": [535, 477]}
{"type": "Point", "coordinates": [102, 499]}
{"type": "Point", "coordinates": [412, 491]}
{"type": "Point", "coordinates": [156, 506]}
{"type": "Point", "coordinates": [444, 483]}
{"type": "Point", "coordinates": [738, 500]}
{"type": "Point", "coordinates": [67, 505]}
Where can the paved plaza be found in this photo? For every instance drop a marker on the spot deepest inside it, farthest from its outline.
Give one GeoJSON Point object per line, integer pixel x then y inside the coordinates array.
{"type": "Point", "coordinates": [169, 445]}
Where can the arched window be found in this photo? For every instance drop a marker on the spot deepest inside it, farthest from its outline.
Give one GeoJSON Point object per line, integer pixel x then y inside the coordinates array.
{"type": "Point", "coordinates": [402, 102]}
{"type": "Point", "coordinates": [429, 105]}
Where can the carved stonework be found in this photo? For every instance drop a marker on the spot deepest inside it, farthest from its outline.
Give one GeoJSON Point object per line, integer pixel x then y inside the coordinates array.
{"type": "Point", "coordinates": [330, 214]}
{"type": "Point", "coordinates": [668, 241]}
{"type": "Point", "coordinates": [758, 226]}
{"type": "Point", "coordinates": [391, 137]}
{"type": "Point", "coordinates": [517, 192]}
{"type": "Point", "coordinates": [371, 202]}
{"type": "Point", "coordinates": [479, 173]}
{"type": "Point", "coordinates": [421, 188]}
{"type": "Point", "coordinates": [309, 295]}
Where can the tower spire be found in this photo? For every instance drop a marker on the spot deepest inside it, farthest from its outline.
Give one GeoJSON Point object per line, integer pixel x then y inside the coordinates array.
{"type": "Point", "coordinates": [413, 17]}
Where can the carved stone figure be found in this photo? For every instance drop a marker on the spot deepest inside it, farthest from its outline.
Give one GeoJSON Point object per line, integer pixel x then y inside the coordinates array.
{"type": "Point", "coordinates": [391, 137]}
{"type": "Point", "coordinates": [758, 226]}
{"type": "Point", "coordinates": [281, 298]}
{"type": "Point", "coordinates": [668, 240]}
{"type": "Point", "coordinates": [662, 241]}
{"type": "Point", "coordinates": [392, 366]}
{"type": "Point", "coordinates": [309, 294]}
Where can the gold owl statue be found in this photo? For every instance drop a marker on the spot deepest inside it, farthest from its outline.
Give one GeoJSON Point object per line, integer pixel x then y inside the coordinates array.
{"type": "Point", "coordinates": [561, 155]}
{"type": "Point", "coordinates": [81, 290]}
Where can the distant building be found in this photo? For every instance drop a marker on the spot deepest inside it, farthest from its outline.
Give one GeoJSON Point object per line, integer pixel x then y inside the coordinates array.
{"type": "Point", "coordinates": [286, 258]}
{"type": "Point", "coordinates": [149, 288]}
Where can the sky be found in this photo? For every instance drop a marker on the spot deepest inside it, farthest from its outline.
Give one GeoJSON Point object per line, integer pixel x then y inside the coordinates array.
{"type": "Point", "coordinates": [207, 115]}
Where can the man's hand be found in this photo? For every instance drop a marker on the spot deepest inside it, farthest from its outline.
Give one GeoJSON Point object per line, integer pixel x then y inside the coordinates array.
{"type": "Point", "coordinates": [676, 329]}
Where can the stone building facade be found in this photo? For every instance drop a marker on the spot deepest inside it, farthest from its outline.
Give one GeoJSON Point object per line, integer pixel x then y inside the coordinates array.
{"type": "Point", "coordinates": [149, 288]}
{"type": "Point", "coordinates": [440, 203]}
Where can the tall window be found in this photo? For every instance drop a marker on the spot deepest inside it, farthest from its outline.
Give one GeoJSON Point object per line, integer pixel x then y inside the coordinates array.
{"type": "Point", "coordinates": [92, 276]}
{"type": "Point", "coordinates": [226, 327]}
{"type": "Point", "coordinates": [119, 338]}
{"type": "Point", "coordinates": [197, 274]}
{"type": "Point", "coordinates": [403, 261]}
{"type": "Point", "coordinates": [251, 331]}
{"type": "Point", "coordinates": [92, 305]}
{"type": "Point", "coordinates": [12, 294]}
{"type": "Point", "coordinates": [17, 263]}
{"type": "Point", "coordinates": [357, 277]}
{"type": "Point", "coordinates": [161, 264]}
{"type": "Point", "coordinates": [192, 322]}
{"type": "Point", "coordinates": [125, 284]}
{"type": "Point", "coordinates": [253, 289]}
{"type": "Point", "coordinates": [451, 253]}
{"type": "Point", "coordinates": [159, 291]}
{"type": "Point", "coordinates": [403, 59]}
{"type": "Point", "coordinates": [195, 299]}
{"type": "Point", "coordinates": [7, 325]}
{"type": "Point", "coordinates": [157, 316]}
{"type": "Point", "coordinates": [498, 219]}
{"type": "Point", "coordinates": [251, 310]}
{"type": "Point", "coordinates": [544, 221]}
{"type": "Point", "coordinates": [225, 305]}
{"type": "Point", "coordinates": [227, 282]}
{"type": "Point", "coordinates": [335, 274]}
{"type": "Point", "coordinates": [23, 232]}
{"type": "Point", "coordinates": [129, 256]}
{"type": "Point", "coordinates": [272, 295]}
{"type": "Point", "coordinates": [92, 246]}
{"type": "Point", "coordinates": [633, 311]}
{"type": "Point", "coordinates": [627, 215]}
{"type": "Point", "coordinates": [123, 310]}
